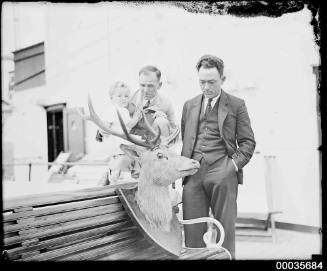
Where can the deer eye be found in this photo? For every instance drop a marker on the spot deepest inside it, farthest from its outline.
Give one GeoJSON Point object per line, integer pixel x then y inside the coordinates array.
{"type": "Point", "coordinates": [160, 155]}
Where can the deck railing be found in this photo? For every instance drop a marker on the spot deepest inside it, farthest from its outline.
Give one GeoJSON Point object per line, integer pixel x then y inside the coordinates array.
{"type": "Point", "coordinates": [30, 164]}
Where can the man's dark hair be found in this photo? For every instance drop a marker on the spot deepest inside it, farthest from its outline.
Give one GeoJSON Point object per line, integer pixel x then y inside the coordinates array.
{"type": "Point", "coordinates": [210, 61]}
{"type": "Point", "coordinates": [148, 69]}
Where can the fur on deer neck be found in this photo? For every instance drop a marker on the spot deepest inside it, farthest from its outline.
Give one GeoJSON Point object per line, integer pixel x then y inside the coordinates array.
{"type": "Point", "coordinates": [154, 201]}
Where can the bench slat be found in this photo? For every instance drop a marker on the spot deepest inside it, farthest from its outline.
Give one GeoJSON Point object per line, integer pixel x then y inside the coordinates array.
{"type": "Point", "coordinates": [68, 226]}
{"type": "Point", "coordinates": [56, 254]}
{"type": "Point", "coordinates": [30, 254]}
{"type": "Point", "coordinates": [188, 253]}
{"type": "Point", "coordinates": [62, 196]}
{"type": "Point", "coordinates": [64, 217]}
{"type": "Point", "coordinates": [57, 197]}
{"type": "Point", "coordinates": [107, 249]}
{"type": "Point", "coordinates": [68, 239]}
{"type": "Point", "coordinates": [203, 253]}
{"type": "Point", "coordinates": [64, 207]}
{"type": "Point", "coordinates": [124, 252]}
{"type": "Point", "coordinates": [219, 256]}
{"type": "Point", "coordinates": [128, 252]}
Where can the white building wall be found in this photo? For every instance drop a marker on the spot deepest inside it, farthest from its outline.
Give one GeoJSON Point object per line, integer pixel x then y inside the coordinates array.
{"type": "Point", "coordinates": [268, 63]}
{"type": "Point", "coordinates": [26, 129]}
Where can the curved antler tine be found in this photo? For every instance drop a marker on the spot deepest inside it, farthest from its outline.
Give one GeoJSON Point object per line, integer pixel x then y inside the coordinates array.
{"type": "Point", "coordinates": [96, 119]}
{"type": "Point", "coordinates": [82, 115]}
{"type": "Point", "coordinates": [129, 137]}
{"type": "Point", "coordinates": [172, 137]}
{"type": "Point", "coordinates": [148, 125]}
{"type": "Point", "coordinates": [155, 140]}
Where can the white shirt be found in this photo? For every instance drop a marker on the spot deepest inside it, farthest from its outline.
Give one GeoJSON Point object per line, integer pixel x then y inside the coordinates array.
{"type": "Point", "coordinates": [145, 101]}
{"type": "Point", "coordinates": [213, 102]}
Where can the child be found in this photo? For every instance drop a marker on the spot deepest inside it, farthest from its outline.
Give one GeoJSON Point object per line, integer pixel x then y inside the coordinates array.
{"type": "Point", "coordinates": [119, 94]}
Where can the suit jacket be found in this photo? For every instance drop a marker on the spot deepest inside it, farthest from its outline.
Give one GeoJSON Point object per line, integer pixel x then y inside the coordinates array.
{"type": "Point", "coordinates": [159, 103]}
{"type": "Point", "coordinates": [234, 126]}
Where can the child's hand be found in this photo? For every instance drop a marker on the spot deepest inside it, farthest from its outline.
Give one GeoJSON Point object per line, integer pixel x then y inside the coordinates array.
{"type": "Point", "coordinates": [159, 114]}
{"type": "Point", "coordinates": [109, 125]}
{"type": "Point", "coordinates": [99, 136]}
{"type": "Point", "coordinates": [135, 119]}
{"type": "Point", "coordinates": [137, 114]}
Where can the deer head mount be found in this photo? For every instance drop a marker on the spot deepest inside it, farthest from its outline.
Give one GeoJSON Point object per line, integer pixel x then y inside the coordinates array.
{"type": "Point", "coordinates": [159, 168]}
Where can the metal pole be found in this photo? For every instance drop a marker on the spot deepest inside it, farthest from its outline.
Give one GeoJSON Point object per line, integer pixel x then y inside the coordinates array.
{"type": "Point", "coordinates": [29, 171]}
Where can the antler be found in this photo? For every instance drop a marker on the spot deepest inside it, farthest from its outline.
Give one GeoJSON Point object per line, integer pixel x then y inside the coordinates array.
{"type": "Point", "coordinates": [148, 126]}
{"type": "Point", "coordinates": [101, 124]}
{"type": "Point", "coordinates": [131, 139]}
{"type": "Point", "coordinates": [164, 140]}
{"type": "Point", "coordinates": [167, 140]}
{"type": "Point", "coordinates": [152, 143]}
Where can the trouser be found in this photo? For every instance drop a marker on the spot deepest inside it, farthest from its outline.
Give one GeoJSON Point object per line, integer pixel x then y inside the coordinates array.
{"type": "Point", "coordinates": [213, 186]}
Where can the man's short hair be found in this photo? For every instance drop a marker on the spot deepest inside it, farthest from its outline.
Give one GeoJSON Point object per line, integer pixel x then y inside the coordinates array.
{"type": "Point", "coordinates": [210, 61]}
{"type": "Point", "coordinates": [148, 69]}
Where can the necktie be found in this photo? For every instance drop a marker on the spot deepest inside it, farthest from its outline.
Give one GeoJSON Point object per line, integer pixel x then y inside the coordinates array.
{"type": "Point", "coordinates": [147, 104]}
{"type": "Point", "coordinates": [208, 108]}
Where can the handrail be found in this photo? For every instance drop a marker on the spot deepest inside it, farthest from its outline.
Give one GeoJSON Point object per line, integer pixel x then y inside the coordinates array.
{"type": "Point", "coordinates": [54, 163]}
{"type": "Point", "coordinates": [29, 164]}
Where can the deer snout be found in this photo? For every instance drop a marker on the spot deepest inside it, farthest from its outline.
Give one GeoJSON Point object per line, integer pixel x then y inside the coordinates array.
{"type": "Point", "coordinates": [189, 165]}
{"type": "Point", "coordinates": [195, 163]}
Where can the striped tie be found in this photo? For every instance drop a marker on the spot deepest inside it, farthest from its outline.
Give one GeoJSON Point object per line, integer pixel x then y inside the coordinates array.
{"type": "Point", "coordinates": [147, 104]}
{"type": "Point", "coordinates": [208, 108]}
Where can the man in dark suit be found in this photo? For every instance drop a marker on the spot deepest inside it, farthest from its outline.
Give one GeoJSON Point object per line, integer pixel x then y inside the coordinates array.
{"type": "Point", "coordinates": [216, 131]}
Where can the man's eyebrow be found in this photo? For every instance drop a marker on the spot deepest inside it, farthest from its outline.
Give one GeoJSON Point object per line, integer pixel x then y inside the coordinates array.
{"type": "Point", "coordinates": [210, 80]}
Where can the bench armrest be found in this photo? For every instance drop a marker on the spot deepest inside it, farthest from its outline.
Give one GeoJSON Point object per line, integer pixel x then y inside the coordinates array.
{"type": "Point", "coordinates": [206, 236]}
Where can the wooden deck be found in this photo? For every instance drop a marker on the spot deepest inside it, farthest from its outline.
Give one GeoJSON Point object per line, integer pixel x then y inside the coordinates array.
{"type": "Point", "coordinates": [289, 245]}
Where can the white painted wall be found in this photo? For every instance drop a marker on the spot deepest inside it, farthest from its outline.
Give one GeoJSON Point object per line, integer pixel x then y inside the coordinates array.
{"type": "Point", "coordinates": [26, 128]}
{"type": "Point", "coordinates": [23, 26]}
{"type": "Point", "coordinates": [268, 63]}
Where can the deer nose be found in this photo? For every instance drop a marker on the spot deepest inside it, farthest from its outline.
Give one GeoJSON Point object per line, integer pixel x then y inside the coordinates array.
{"type": "Point", "coordinates": [195, 163]}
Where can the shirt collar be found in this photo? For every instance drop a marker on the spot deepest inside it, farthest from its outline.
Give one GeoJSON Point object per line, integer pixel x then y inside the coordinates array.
{"type": "Point", "coordinates": [146, 100]}
{"type": "Point", "coordinates": [214, 100]}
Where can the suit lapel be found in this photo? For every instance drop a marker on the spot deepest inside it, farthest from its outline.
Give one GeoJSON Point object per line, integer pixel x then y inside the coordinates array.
{"type": "Point", "coordinates": [195, 111]}
{"type": "Point", "coordinates": [222, 111]}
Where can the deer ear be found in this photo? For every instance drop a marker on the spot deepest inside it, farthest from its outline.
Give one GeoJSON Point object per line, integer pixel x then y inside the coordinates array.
{"type": "Point", "coordinates": [131, 151]}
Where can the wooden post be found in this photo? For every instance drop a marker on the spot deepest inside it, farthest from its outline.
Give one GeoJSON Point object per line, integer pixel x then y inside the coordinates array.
{"type": "Point", "coordinates": [29, 171]}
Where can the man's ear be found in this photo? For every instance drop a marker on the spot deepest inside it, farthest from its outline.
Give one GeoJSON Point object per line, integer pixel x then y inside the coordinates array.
{"type": "Point", "coordinates": [131, 151]}
{"type": "Point", "coordinates": [223, 78]}
{"type": "Point", "coordinates": [159, 85]}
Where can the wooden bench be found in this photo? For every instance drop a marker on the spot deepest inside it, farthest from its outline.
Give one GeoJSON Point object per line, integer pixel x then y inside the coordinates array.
{"type": "Point", "coordinates": [85, 224]}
